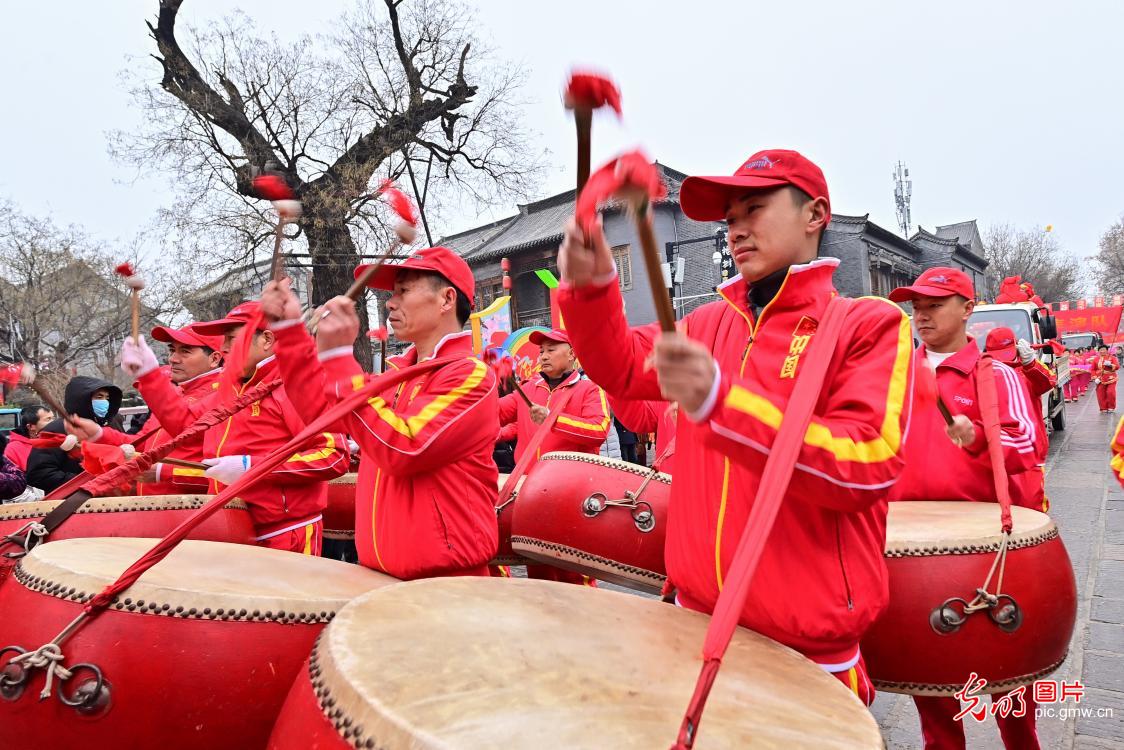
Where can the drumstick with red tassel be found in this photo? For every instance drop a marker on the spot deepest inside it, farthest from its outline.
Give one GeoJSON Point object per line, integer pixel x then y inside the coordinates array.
{"type": "Point", "coordinates": [274, 188]}
{"type": "Point", "coordinates": [135, 283]}
{"type": "Point", "coordinates": [407, 230]}
{"type": "Point", "coordinates": [632, 179]}
{"type": "Point", "coordinates": [380, 334]}
{"type": "Point", "coordinates": [585, 92]}
{"type": "Point", "coordinates": [503, 366]}
{"type": "Point", "coordinates": [926, 391]}
{"type": "Point", "coordinates": [25, 373]}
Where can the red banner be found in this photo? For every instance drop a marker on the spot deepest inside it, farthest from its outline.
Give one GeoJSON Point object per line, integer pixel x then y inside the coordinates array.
{"type": "Point", "coordinates": [1103, 320]}
{"type": "Point", "coordinates": [1063, 306]}
{"type": "Point", "coordinates": [1081, 304]}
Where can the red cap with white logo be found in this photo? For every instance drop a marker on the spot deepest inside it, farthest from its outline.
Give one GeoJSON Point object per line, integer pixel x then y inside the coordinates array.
{"type": "Point", "coordinates": [940, 281]}
{"type": "Point", "coordinates": [707, 198]}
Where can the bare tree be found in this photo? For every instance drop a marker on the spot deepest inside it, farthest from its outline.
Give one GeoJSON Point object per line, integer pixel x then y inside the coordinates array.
{"type": "Point", "coordinates": [1036, 256]}
{"type": "Point", "coordinates": [396, 90]}
{"type": "Point", "coordinates": [61, 305]}
{"type": "Point", "coordinates": [1110, 260]}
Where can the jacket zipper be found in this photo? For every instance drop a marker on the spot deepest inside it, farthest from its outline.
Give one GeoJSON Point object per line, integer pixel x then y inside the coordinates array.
{"type": "Point", "coordinates": [842, 565]}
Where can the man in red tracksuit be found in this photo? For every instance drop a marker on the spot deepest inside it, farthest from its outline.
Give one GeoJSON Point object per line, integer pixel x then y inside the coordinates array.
{"type": "Point", "coordinates": [822, 579]}
{"type": "Point", "coordinates": [194, 367]}
{"type": "Point", "coordinates": [581, 427]}
{"type": "Point", "coordinates": [1104, 372]}
{"type": "Point", "coordinates": [426, 492]}
{"type": "Point", "coordinates": [952, 463]}
{"type": "Point", "coordinates": [286, 507]}
{"type": "Point", "coordinates": [1039, 380]}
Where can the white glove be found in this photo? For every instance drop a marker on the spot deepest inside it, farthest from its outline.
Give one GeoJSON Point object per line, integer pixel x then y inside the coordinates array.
{"type": "Point", "coordinates": [1026, 351]}
{"type": "Point", "coordinates": [227, 469]}
{"type": "Point", "coordinates": [137, 359]}
{"type": "Point", "coordinates": [352, 447]}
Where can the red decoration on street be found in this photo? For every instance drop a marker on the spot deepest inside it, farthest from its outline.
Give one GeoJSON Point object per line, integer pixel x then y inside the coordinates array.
{"type": "Point", "coordinates": [501, 362]}
{"type": "Point", "coordinates": [630, 177]}
{"type": "Point", "coordinates": [505, 265]}
{"type": "Point", "coordinates": [587, 90]}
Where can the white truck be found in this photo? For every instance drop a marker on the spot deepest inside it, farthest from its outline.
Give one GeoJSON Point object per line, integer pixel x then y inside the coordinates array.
{"type": "Point", "coordinates": [1030, 323]}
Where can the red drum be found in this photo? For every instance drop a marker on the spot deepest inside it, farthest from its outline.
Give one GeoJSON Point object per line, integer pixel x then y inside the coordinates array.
{"type": "Point", "coordinates": [504, 513]}
{"type": "Point", "coordinates": [938, 554]}
{"type": "Point", "coordinates": [147, 516]}
{"type": "Point", "coordinates": [603, 518]}
{"type": "Point", "coordinates": [339, 516]}
{"type": "Point", "coordinates": [420, 665]}
{"type": "Point", "coordinates": [198, 653]}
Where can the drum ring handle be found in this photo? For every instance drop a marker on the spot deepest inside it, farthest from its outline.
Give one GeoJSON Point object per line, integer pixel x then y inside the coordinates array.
{"type": "Point", "coordinates": [1008, 616]}
{"type": "Point", "coordinates": [91, 696]}
{"type": "Point", "coordinates": [591, 506]}
{"type": "Point", "coordinates": [643, 517]}
{"type": "Point", "coordinates": [945, 619]}
{"type": "Point", "coordinates": [13, 678]}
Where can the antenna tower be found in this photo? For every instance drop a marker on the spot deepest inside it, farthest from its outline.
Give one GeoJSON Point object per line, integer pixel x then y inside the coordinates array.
{"type": "Point", "coordinates": [903, 191]}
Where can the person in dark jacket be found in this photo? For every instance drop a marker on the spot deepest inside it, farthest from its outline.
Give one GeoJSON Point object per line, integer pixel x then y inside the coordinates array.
{"type": "Point", "coordinates": [12, 481]}
{"type": "Point", "coordinates": [91, 398]}
{"type": "Point", "coordinates": [628, 442]}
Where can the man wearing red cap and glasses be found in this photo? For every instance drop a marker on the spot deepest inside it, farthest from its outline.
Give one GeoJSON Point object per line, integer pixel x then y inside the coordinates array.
{"type": "Point", "coordinates": [425, 498]}
{"type": "Point", "coordinates": [287, 507]}
{"type": "Point", "coordinates": [580, 418]}
{"type": "Point", "coordinates": [821, 580]}
{"type": "Point", "coordinates": [193, 367]}
{"type": "Point", "coordinates": [1039, 380]}
{"type": "Point", "coordinates": [952, 462]}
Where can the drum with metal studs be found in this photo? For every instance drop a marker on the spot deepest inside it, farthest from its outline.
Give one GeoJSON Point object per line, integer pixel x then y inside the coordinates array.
{"type": "Point", "coordinates": [339, 515]}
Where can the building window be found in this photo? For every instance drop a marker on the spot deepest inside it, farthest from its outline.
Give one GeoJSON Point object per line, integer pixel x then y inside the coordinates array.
{"type": "Point", "coordinates": [622, 256]}
{"type": "Point", "coordinates": [488, 291]}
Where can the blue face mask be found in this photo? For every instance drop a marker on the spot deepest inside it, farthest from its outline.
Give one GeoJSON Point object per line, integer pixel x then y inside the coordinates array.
{"type": "Point", "coordinates": [101, 407]}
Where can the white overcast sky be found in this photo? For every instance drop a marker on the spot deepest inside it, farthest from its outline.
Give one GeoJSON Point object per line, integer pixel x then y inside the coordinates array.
{"type": "Point", "coordinates": [1003, 111]}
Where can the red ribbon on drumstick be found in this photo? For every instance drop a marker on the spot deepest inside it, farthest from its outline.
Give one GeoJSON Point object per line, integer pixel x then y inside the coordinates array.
{"type": "Point", "coordinates": [585, 92]}
{"type": "Point", "coordinates": [631, 178]}
{"type": "Point", "coordinates": [135, 283]}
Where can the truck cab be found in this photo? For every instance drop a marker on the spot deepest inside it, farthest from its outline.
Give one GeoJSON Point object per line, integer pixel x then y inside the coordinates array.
{"type": "Point", "coordinates": [1032, 324]}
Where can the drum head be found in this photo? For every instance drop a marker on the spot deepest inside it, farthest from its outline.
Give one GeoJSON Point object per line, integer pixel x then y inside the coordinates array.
{"type": "Point", "coordinates": [960, 528]}
{"type": "Point", "coordinates": [230, 581]}
{"type": "Point", "coordinates": [345, 479]}
{"type": "Point", "coordinates": [423, 665]}
{"type": "Point", "coordinates": [611, 463]}
{"type": "Point", "coordinates": [13, 511]}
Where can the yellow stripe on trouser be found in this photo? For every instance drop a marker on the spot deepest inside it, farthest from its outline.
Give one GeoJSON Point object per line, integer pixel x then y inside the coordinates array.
{"type": "Point", "coordinates": [853, 676]}
{"type": "Point", "coordinates": [308, 538]}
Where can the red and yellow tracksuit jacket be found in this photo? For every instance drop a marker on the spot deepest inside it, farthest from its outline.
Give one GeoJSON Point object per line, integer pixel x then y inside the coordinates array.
{"type": "Point", "coordinates": [295, 493]}
{"type": "Point", "coordinates": [426, 492]}
{"type": "Point", "coordinates": [644, 417]}
{"type": "Point", "coordinates": [1117, 448]}
{"type": "Point", "coordinates": [175, 480]}
{"type": "Point", "coordinates": [937, 469]}
{"type": "Point", "coordinates": [581, 427]}
{"type": "Point", "coordinates": [1104, 369]}
{"type": "Point", "coordinates": [821, 581]}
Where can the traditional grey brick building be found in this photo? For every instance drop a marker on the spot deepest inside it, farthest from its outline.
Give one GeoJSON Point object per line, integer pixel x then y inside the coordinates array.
{"type": "Point", "coordinates": [874, 260]}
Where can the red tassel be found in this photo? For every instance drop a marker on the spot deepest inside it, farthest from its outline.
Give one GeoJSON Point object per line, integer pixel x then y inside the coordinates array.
{"type": "Point", "coordinates": [273, 187]}
{"type": "Point", "coordinates": [628, 173]}
{"type": "Point", "coordinates": [125, 269]}
{"type": "Point", "coordinates": [589, 90]}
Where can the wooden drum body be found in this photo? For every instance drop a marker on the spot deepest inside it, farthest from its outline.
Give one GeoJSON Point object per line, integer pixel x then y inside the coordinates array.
{"type": "Point", "coordinates": [148, 516]}
{"type": "Point", "coordinates": [339, 515]}
{"type": "Point", "coordinates": [938, 551]}
{"type": "Point", "coordinates": [505, 555]}
{"type": "Point", "coordinates": [596, 516]}
{"type": "Point", "coordinates": [420, 665]}
{"type": "Point", "coordinates": [199, 652]}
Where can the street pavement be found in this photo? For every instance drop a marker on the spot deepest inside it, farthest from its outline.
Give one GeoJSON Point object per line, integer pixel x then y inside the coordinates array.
{"type": "Point", "coordinates": [1087, 504]}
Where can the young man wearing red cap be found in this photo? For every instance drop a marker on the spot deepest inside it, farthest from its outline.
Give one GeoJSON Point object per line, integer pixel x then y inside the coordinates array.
{"type": "Point", "coordinates": [1104, 373]}
{"type": "Point", "coordinates": [287, 507]}
{"type": "Point", "coordinates": [952, 462]}
{"type": "Point", "coordinates": [581, 425]}
{"type": "Point", "coordinates": [425, 498]}
{"type": "Point", "coordinates": [821, 580]}
{"type": "Point", "coordinates": [1038, 380]}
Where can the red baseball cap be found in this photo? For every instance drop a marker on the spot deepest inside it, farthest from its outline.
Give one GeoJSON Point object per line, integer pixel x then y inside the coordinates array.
{"type": "Point", "coordinates": [539, 338]}
{"type": "Point", "coordinates": [186, 336]}
{"type": "Point", "coordinates": [440, 260]}
{"type": "Point", "coordinates": [239, 316]}
{"type": "Point", "coordinates": [1000, 344]}
{"type": "Point", "coordinates": [706, 198]}
{"type": "Point", "coordinates": [940, 281]}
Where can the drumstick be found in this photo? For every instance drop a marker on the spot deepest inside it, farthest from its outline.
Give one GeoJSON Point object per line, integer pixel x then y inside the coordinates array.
{"type": "Point", "coordinates": [184, 464]}
{"type": "Point", "coordinates": [664, 311]}
{"type": "Point", "coordinates": [944, 411]}
{"type": "Point", "coordinates": [49, 399]}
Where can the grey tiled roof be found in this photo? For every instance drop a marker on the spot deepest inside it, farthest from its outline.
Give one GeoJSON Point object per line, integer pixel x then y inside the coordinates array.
{"type": "Point", "coordinates": [536, 224]}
